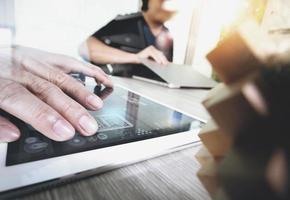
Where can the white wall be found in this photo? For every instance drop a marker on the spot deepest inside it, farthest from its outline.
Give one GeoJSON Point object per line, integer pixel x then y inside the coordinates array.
{"type": "Point", "coordinates": [179, 27]}
{"type": "Point", "coordinates": [6, 22]}
{"type": "Point", "coordinates": [207, 37]}
{"type": "Point", "coordinates": [61, 25]}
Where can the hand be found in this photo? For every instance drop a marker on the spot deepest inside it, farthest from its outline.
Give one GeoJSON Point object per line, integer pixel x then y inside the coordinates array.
{"type": "Point", "coordinates": [152, 52]}
{"type": "Point", "coordinates": [35, 88]}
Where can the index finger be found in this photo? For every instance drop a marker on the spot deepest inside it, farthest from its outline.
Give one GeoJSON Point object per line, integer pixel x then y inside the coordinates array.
{"type": "Point", "coordinates": [161, 56]}
{"type": "Point", "coordinates": [71, 65]}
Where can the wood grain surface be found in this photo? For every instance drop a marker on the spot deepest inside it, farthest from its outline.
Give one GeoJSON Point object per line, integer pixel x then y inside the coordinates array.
{"type": "Point", "coordinates": [172, 176]}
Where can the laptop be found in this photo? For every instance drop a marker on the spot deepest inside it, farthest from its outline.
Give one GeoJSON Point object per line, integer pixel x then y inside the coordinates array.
{"type": "Point", "coordinates": [175, 76]}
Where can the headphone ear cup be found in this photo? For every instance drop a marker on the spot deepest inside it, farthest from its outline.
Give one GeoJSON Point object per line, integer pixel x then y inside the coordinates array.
{"type": "Point", "coordinates": [145, 5]}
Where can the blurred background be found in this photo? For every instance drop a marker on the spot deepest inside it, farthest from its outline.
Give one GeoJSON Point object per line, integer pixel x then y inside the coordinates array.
{"type": "Point", "coordinates": [61, 25]}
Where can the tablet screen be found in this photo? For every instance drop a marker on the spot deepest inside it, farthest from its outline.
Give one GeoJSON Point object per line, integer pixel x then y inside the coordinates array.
{"type": "Point", "coordinates": [126, 117]}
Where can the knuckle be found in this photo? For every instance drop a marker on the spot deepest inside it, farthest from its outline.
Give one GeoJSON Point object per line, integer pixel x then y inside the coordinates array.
{"type": "Point", "coordinates": [43, 89]}
{"type": "Point", "coordinates": [75, 88]}
{"type": "Point", "coordinates": [72, 109]}
{"type": "Point", "coordinates": [9, 93]}
{"type": "Point", "coordinates": [58, 78]}
{"type": "Point", "coordinates": [41, 112]}
{"type": "Point", "coordinates": [151, 53]}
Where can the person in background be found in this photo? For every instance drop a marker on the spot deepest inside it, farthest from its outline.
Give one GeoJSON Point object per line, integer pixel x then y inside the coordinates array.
{"type": "Point", "coordinates": [128, 38]}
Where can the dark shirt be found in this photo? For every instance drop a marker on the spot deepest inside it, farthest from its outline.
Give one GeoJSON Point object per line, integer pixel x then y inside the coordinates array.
{"type": "Point", "coordinates": [132, 34]}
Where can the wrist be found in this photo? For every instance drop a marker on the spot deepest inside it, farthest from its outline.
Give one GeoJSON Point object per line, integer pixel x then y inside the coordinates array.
{"type": "Point", "coordinates": [133, 58]}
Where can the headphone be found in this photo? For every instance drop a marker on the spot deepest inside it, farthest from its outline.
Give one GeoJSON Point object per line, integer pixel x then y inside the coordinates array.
{"type": "Point", "coordinates": [144, 5]}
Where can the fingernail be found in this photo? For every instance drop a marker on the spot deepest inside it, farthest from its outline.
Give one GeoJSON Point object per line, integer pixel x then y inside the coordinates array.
{"type": "Point", "coordinates": [63, 129]}
{"type": "Point", "coordinates": [14, 136]}
{"type": "Point", "coordinates": [88, 125]}
{"type": "Point", "coordinates": [8, 135]}
{"type": "Point", "coordinates": [95, 102]}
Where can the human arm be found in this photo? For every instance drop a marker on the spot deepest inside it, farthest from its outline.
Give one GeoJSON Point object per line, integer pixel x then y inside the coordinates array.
{"type": "Point", "coordinates": [96, 51]}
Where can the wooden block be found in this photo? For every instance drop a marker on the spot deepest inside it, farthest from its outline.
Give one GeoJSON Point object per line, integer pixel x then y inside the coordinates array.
{"type": "Point", "coordinates": [277, 172]}
{"type": "Point", "coordinates": [215, 91]}
{"type": "Point", "coordinates": [203, 156]}
{"type": "Point", "coordinates": [208, 171]}
{"type": "Point", "coordinates": [231, 110]}
{"type": "Point", "coordinates": [208, 177]}
{"type": "Point", "coordinates": [213, 138]}
{"type": "Point", "coordinates": [244, 52]}
{"type": "Point", "coordinates": [221, 195]}
{"type": "Point", "coordinates": [222, 91]}
{"type": "Point", "coordinates": [243, 172]}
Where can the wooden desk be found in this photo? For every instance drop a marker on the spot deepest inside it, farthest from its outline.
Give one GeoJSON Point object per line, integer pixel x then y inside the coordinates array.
{"type": "Point", "coordinates": [172, 176]}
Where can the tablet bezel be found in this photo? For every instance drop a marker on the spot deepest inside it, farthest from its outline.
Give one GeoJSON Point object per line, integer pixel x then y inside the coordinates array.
{"type": "Point", "coordinates": [22, 175]}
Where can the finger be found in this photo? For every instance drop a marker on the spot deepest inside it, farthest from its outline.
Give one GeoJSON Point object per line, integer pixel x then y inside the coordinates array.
{"type": "Point", "coordinates": [8, 131]}
{"type": "Point", "coordinates": [18, 101]}
{"type": "Point", "coordinates": [65, 63]}
{"type": "Point", "coordinates": [158, 56]}
{"type": "Point", "coordinates": [163, 59]}
{"type": "Point", "coordinates": [155, 56]}
{"type": "Point", "coordinates": [68, 84]}
{"type": "Point", "coordinates": [161, 56]}
{"type": "Point", "coordinates": [75, 89]}
{"type": "Point", "coordinates": [106, 92]}
{"type": "Point", "coordinates": [96, 72]}
{"type": "Point", "coordinates": [71, 65]}
{"type": "Point", "coordinates": [67, 107]}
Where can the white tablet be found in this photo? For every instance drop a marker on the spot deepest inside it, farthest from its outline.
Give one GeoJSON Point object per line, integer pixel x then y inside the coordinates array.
{"type": "Point", "coordinates": [132, 128]}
